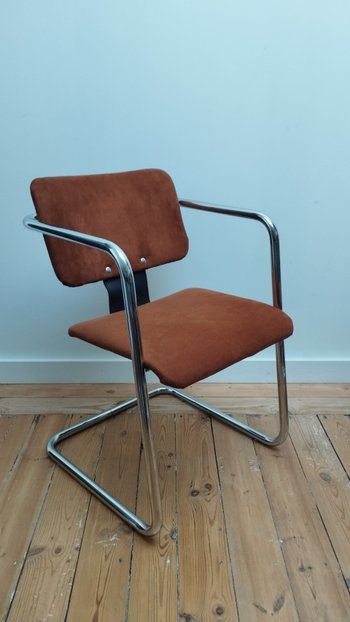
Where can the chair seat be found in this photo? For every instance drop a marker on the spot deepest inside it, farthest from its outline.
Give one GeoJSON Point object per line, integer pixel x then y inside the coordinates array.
{"type": "Point", "coordinates": [192, 334]}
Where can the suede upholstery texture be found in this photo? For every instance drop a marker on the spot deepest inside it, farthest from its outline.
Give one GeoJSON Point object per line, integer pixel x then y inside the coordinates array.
{"type": "Point", "coordinates": [191, 334]}
{"type": "Point", "coordinates": [137, 210]}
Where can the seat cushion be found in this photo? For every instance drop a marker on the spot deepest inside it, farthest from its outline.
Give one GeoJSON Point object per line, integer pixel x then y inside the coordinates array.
{"type": "Point", "coordinates": [191, 334]}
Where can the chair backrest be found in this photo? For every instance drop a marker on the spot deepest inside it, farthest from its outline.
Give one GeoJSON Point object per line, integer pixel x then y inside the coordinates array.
{"type": "Point", "coordinates": [138, 210]}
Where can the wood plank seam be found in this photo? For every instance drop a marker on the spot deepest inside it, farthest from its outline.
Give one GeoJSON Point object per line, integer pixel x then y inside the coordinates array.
{"type": "Point", "coordinates": [19, 450]}
{"type": "Point", "coordinates": [317, 505]}
{"type": "Point", "coordinates": [327, 478]}
{"type": "Point", "coordinates": [175, 534]}
{"type": "Point", "coordinates": [85, 523]}
{"type": "Point", "coordinates": [309, 532]}
{"type": "Point", "coordinates": [255, 443]}
{"type": "Point", "coordinates": [334, 447]}
{"type": "Point", "coordinates": [220, 493]}
{"type": "Point", "coordinates": [25, 554]}
{"type": "Point", "coordinates": [134, 535]}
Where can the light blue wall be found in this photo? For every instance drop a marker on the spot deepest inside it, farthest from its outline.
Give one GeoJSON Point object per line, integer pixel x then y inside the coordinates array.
{"type": "Point", "coordinates": [244, 103]}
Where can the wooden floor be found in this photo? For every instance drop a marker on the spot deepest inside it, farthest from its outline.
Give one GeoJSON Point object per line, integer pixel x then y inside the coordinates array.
{"type": "Point", "coordinates": [250, 533]}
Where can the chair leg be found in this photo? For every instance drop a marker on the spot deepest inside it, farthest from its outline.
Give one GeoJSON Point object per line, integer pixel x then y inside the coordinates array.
{"type": "Point", "coordinates": [150, 463]}
{"type": "Point", "coordinates": [147, 440]}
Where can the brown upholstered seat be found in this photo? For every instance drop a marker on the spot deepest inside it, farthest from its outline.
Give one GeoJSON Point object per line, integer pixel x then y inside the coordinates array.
{"type": "Point", "coordinates": [192, 334]}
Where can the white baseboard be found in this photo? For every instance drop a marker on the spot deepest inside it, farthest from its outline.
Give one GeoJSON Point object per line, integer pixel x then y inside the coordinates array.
{"type": "Point", "coordinates": [49, 371]}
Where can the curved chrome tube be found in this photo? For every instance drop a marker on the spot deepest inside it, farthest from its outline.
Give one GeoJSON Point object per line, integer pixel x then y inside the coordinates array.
{"type": "Point", "coordinates": [273, 235]}
{"type": "Point", "coordinates": [277, 302]}
{"type": "Point", "coordinates": [130, 303]}
{"type": "Point", "coordinates": [271, 441]}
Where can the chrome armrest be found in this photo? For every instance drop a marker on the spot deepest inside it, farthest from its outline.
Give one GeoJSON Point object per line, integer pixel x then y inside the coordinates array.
{"type": "Point", "coordinates": [125, 271]}
{"type": "Point", "coordinates": [273, 236]}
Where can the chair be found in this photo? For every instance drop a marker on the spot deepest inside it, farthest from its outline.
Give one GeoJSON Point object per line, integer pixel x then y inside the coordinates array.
{"type": "Point", "coordinates": [134, 218]}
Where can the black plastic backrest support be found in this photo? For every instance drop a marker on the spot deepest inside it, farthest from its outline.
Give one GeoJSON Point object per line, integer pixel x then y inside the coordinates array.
{"type": "Point", "coordinates": [114, 289]}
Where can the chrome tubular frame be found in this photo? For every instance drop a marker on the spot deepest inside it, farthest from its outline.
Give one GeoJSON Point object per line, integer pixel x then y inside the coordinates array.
{"type": "Point", "coordinates": [277, 302]}
{"type": "Point", "coordinates": [142, 394]}
{"type": "Point", "coordinates": [141, 400]}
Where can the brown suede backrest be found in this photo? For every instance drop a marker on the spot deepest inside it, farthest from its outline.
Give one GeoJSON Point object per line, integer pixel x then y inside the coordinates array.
{"type": "Point", "coordinates": [137, 210]}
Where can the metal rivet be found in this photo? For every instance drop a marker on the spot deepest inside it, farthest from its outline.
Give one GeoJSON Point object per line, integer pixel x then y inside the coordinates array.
{"type": "Point", "coordinates": [143, 260]}
{"type": "Point", "coordinates": [108, 269]}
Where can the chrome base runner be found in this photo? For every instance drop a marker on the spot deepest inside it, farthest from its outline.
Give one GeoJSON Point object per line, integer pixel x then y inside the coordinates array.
{"type": "Point", "coordinates": [153, 485]}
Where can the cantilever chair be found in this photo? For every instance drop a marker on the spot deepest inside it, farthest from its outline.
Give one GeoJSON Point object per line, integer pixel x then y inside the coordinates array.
{"type": "Point", "coordinates": [112, 228]}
